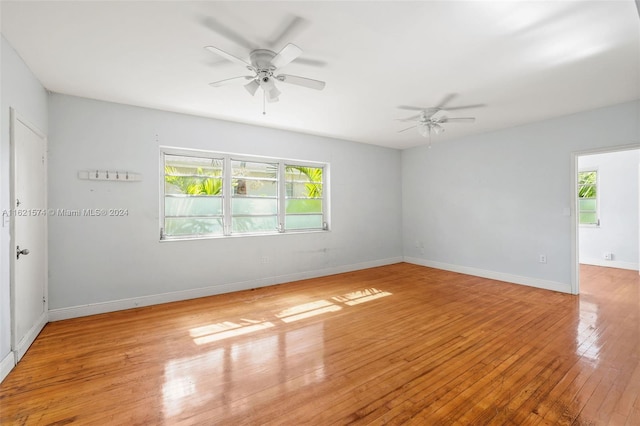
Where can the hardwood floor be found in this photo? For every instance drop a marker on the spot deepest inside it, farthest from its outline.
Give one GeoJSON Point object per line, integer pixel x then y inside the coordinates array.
{"type": "Point", "coordinates": [389, 345]}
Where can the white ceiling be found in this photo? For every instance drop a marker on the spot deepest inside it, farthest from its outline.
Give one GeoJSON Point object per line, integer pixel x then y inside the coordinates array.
{"type": "Point", "coordinates": [527, 61]}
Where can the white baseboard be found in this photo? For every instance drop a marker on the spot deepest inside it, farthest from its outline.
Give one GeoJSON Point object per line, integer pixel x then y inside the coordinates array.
{"type": "Point", "coordinates": [499, 276]}
{"type": "Point", "coordinates": [31, 335]}
{"type": "Point", "coordinates": [6, 365]}
{"type": "Point", "coordinates": [610, 263]}
{"type": "Point", "coordinates": [122, 304]}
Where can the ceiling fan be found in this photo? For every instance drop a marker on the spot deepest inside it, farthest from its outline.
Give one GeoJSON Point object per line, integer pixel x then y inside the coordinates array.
{"type": "Point", "coordinates": [264, 65]}
{"type": "Point", "coordinates": [432, 118]}
{"type": "Point", "coordinates": [264, 62]}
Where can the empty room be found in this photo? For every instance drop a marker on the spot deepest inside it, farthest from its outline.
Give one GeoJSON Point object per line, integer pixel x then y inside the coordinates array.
{"type": "Point", "coordinates": [181, 241]}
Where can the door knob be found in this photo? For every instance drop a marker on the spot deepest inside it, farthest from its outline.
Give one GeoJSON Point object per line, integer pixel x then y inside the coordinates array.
{"type": "Point", "coordinates": [23, 252]}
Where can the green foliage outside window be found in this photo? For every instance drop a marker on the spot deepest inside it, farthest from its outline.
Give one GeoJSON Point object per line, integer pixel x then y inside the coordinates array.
{"type": "Point", "coordinates": [588, 197]}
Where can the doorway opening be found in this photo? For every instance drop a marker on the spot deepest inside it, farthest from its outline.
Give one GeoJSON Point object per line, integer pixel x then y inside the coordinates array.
{"type": "Point", "coordinates": [606, 201]}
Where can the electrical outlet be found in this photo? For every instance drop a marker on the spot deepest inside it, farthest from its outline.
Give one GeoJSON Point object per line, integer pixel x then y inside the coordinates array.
{"type": "Point", "coordinates": [264, 260]}
{"type": "Point", "coordinates": [608, 256]}
{"type": "Point", "coordinates": [542, 258]}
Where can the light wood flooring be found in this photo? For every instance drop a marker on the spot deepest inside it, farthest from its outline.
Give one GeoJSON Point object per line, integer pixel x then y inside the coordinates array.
{"type": "Point", "coordinates": [400, 344]}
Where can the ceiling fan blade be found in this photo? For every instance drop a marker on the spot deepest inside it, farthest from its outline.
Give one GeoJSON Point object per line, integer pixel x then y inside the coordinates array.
{"type": "Point", "coordinates": [301, 81]}
{"type": "Point", "coordinates": [230, 81]}
{"type": "Point", "coordinates": [426, 113]}
{"type": "Point", "coordinates": [286, 55]}
{"type": "Point", "coordinates": [446, 100]}
{"type": "Point", "coordinates": [228, 33]}
{"type": "Point", "coordinates": [411, 108]}
{"type": "Point", "coordinates": [310, 62]}
{"type": "Point", "coordinates": [289, 30]}
{"type": "Point", "coordinates": [408, 128]}
{"type": "Point", "coordinates": [228, 56]}
{"type": "Point", "coordinates": [457, 120]}
{"type": "Point", "coordinates": [252, 87]}
{"type": "Point", "coordinates": [412, 118]}
{"type": "Point", "coordinates": [464, 107]}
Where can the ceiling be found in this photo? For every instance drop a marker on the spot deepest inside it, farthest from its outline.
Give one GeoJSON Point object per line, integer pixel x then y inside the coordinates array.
{"type": "Point", "coordinates": [525, 61]}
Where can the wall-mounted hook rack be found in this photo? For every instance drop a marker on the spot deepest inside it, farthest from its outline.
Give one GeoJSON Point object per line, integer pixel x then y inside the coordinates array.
{"type": "Point", "coordinates": [110, 175]}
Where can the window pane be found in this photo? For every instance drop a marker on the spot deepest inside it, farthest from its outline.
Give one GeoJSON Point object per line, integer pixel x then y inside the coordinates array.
{"type": "Point", "coordinates": [587, 191]}
{"type": "Point", "coordinates": [307, 221]}
{"type": "Point", "coordinates": [193, 226]}
{"type": "Point", "coordinates": [588, 204]}
{"type": "Point", "coordinates": [303, 182]}
{"type": "Point", "coordinates": [587, 177]}
{"type": "Point", "coordinates": [254, 224]}
{"type": "Point", "coordinates": [588, 218]}
{"type": "Point", "coordinates": [306, 190]}
{"type": "Point", "coordinates": [304, 206]}
{"type": "Point", "coordinates": [194, 165]}
{"type": "Point", "coordinates": [190, 185]}
{"type": "Point", "coordinates": [303, 173]}
{"type": "Point", "coordinates": [254, 206]}
{"type": "Point", "coordinates": [254, 170]}
{"type": "Point", "coordinates": [192, 206]}
{"type": "Point", "coordinates": [192, 175]}
{"type": "Point", "coordinates": [256, 188]}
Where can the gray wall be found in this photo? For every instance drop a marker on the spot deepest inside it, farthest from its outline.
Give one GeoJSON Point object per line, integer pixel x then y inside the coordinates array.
{"type": "Point", "coordinates": [21, 90]}
{"type": "Point", "coordinates": [618, 199]}
{"type": "Point", "coordinates": [491, 204]}
{"type": "Point", "coordinates": [94, 260]}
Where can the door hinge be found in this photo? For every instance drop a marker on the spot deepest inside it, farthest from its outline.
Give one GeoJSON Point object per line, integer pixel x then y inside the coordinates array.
{"type": "Point", "coordinates": [44, 299]}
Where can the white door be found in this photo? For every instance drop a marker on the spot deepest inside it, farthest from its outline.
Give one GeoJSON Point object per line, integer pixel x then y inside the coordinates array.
{"type": "Point", "coordinates": [29, 237]}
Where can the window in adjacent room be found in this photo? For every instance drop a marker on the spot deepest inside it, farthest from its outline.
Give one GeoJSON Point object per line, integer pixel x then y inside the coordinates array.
{"type": "Point", "coordinates": [588, 197]}
{"type": "Point", "coordinates": [208, 194]}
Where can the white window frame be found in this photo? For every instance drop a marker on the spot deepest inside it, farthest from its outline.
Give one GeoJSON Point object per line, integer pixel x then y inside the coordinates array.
{"type": "Point", "coordinates": [227, 191]}
{"type": "Point", "coordinates": [597, 185]}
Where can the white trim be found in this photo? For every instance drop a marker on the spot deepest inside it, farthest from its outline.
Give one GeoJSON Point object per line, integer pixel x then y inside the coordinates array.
{"type": "Point", "coordinates": [610, 263]}
{"type": "Point", "coordinates": [22, 346]}
{"type": "Point", "coordinates": [122, 304]}
{"type": "Point", "coordinates": [6, 365]}
{"type": "Point", "coordinates": [499, 276]}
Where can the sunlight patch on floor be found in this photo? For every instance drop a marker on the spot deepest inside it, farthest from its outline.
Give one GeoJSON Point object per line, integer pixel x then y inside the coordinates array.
{"type": "Point", "coordinates": [361, 296]}
{"type": "Point", "coordinates": [307, 310]}
{"type": "Point", "coordinates": [228, 329]}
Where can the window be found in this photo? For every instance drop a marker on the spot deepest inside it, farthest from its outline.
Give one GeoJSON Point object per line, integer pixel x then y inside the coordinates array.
{"type": "Point", "coordinates": [304, 203]}
{"type": "Point", "coordinates": [214, 194]}
{"type": "Point", "coordinates": [588, 197]}
{"type": "Point", "coordinates": [193, 195]}
{"type": "Point", "coordinates": [254, 203]}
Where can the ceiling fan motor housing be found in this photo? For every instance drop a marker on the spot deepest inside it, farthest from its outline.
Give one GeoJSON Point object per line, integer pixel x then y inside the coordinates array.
{"type": "Point", "coordinates": [261, 59]}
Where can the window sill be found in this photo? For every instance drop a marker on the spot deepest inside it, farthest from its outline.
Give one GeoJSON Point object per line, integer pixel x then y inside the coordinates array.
{"type": "Point", "coordinates": [221, 237]}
